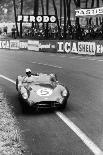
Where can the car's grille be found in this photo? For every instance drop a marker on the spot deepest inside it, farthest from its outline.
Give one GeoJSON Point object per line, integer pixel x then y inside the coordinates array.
{"type": "Point", "coordinates": [47, 104]}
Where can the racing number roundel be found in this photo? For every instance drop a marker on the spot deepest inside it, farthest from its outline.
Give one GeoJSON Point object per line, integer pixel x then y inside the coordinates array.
{"type": "Point", "coordinates": [44, 92]}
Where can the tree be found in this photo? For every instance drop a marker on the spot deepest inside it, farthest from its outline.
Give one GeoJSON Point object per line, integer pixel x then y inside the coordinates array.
{"type": "Point", "coordinates": [47, 13]}
{"type": "Point", "coordinates": [36, 7]}
{"type": "Point", "coordinates": [77, 3]}
{"type": "Point", "coordinates": [56, 14]}
{"type": "Point", "coordinates": [60, 12]}
{"type": "Point", "coordinates": [35, 10]}
{"type": "Point", "coordinates": [68, 12]}
{"type": "Point", "coordinates": [65, 17]}
{"type": "Point", "coordinates": [15, 17]}
{"type": "Point", "coordinates": [21, 13]}
{"type": "Point", "coordinates": [86, 4]}
{"type": "Point", "coordinates": [42, 5]}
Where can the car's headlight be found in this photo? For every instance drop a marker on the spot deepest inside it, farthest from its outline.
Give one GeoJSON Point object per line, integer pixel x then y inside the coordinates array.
{"type": "Point", "coordinates": [64, 93]}
{"type": "Point", "coordinates": [25, 96]}
{"type": "Point", "coordinates": [59, 100]}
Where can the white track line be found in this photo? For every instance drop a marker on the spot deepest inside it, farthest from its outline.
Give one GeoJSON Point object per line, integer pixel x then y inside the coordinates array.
{"type": "Point", "coordinates": [85, 139]}
{"type": "Point", "coordinates": [6, 78]}
{"type": "Point", "coordinates": [100, 60]}
{"type": "Point", "coordinates": [85, 58]}
{"type": "Point", "coordinates": [47, 65]}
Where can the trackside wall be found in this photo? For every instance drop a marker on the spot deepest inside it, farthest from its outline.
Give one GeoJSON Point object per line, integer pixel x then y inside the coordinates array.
{"type": "Point", "coordinates": [55, 46]}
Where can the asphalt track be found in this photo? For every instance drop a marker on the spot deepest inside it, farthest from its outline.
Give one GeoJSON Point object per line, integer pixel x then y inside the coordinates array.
{"type": "Point", "coordinates": [52, 133]}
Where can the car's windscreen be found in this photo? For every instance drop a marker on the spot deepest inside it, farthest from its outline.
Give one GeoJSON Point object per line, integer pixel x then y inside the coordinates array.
{"type": "Point", "coordinates": [45, 85]}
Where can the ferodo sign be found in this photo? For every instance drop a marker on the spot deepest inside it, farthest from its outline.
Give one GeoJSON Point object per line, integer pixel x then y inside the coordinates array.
{"type": "Point", "coordinates": [38, 19]}
{"type": "Point", "coordinates": [88, 48]}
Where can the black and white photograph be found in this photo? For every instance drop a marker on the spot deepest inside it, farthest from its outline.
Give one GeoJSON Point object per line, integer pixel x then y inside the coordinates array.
{"type": "Point", "coordinates": [51, 77]}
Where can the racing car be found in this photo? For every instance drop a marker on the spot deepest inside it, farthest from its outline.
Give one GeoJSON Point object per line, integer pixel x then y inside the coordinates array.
{"type": "Point", "coordinates": [44, 91]}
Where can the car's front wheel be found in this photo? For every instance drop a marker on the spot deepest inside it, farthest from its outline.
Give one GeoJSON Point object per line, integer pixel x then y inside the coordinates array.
{"type": "Point", "coordinates": [24, 104]}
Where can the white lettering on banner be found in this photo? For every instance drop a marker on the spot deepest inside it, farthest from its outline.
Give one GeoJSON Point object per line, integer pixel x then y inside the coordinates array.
{"type": "Point", "coordinates": [4, 44]}
{"type": "Point", "coordinates": [46, 19]}
{"type": "Point", "coordinates": [19, 17]}
{"type": "Point", "coordinates": [89, 12]}
{"type": "Point", "coordinates": [67, 47]}
{"type": "Point", "coordinates": [14, 44]}
{"type": "Point", "coordinates": [32, 19]}
{"type": "Point", "coordinates": [23, 45]}
{"type": "Point", "coordinates": [53, 19]}
{"type": "Point", "coordinates": [60, 47]}
{"type": "Point", "coordinates": [33, 45]}
{"type": "Point", "coordinates": [74, 48]}
{"type": "Point", "coordinates": [99, 49]}
{"type": "Point", "coordinates": [44, 46]}
{"type": "Point", "coordinates": [25, 18]}
{"type": "Point", "coordinates": [86, 48]}
{"type": "Point", "coordinates": [39, 18]}
{"type": "Point", "coordinates": [64, 47]}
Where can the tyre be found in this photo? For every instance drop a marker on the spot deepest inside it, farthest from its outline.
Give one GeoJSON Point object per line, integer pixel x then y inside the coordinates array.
{"type": "Point", "coordinates": [24, 104]}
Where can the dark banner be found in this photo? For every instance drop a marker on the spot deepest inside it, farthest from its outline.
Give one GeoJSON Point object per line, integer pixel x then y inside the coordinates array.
{"type": "Point", "coordinates": [48, 46]}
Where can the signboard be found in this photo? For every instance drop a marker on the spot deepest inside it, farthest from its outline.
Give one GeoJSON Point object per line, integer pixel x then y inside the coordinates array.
{"type": "Point", "coordinates": [55, 46]}
{"type": "Point", "coordinates": [47, 46]}
{"type": "Point", "coordinates": [89, 12]}
{"type": "Point", "coordinates": [23, 45]}
{"type": "Point", "coordinates": [38, 19]}
{"type": "Point", "coordinates": [64, 46]}
{"type": "Point", "coordinates": [86, 48]}
{"type": "Point", "coordinates": [33, 45]}
{"type": "Point", "coordinates": [4, 44]}
{"type": "Point", "coordinates": [14, 44]}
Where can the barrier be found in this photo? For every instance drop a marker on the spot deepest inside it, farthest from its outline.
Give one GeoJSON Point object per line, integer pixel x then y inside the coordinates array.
{"type": "Point", "coordinates": [55, 46]}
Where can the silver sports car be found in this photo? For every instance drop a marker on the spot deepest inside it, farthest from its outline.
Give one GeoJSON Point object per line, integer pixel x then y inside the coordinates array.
{"type": "Point", "coordinates": [43, 91]}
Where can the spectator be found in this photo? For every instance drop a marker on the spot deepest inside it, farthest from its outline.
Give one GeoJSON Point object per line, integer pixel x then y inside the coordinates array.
{"type": "Point", "coordinates": [5, 29]}
{"type": "Point", "coordinates": [13, 32]}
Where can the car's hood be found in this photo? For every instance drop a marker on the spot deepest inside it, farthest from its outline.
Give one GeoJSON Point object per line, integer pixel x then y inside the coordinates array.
{"type": "Point", "coordinates": [40, 93]}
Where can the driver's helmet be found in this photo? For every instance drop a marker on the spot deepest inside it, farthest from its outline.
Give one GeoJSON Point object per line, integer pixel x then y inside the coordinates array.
{"type": "Point", "coordinates": [28, 71]}
{"type": "Point", "coordinates": [53, 78]}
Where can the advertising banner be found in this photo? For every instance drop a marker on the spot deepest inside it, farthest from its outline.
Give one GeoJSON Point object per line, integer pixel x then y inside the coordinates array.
{"type": "Point", "coordinates": [47, 46]}
{"type": "Point", "coordinates": [86, 48]}
{"type": "Point", "coordinates": [23, 44]}
{"type": "Point", "coordinates": [38, 19]}
{"type": "Point", "coordinates": [55, 46]}
{"type": "Point", "coordinates": [33, 45]}
{"type": "Point", "coordinates": [63, 46]}
{"type": "Point", "coordinates": [99, 47]}
{"type": "Point", "coordinates": [14, 44]}
{"type": "Point", "coordinates": [74, 47]}
{"type": "Point", "coordinates": [4, 44]}
{"type": "Point", "coordinates": [89, 12]}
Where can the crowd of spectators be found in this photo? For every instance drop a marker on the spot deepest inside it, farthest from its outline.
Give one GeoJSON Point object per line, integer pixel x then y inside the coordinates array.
{"type": "Point", "coordinates": [72, 32]}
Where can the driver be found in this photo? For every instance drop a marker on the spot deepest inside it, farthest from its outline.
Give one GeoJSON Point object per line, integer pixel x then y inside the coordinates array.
{"type": "Point", "coordinates": [30, 77]}
{"type": "Point", "coordinates": [23, 85]}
